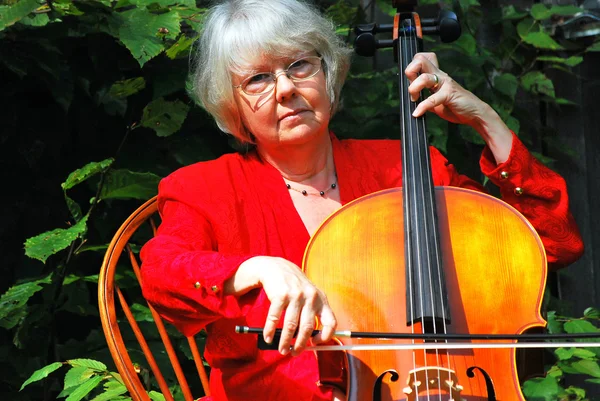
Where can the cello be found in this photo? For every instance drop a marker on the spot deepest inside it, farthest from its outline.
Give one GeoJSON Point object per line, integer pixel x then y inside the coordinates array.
{"type": "Point", "coordinates": [425, 259]}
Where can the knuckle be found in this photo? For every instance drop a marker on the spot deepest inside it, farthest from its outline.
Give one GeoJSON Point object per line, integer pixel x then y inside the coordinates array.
{"type": "Point", "coordinates": [306, 327]}
{"type": "Point", "coordinates": [294, 294]}
{"type": "Point", "coordinates": [291, 325]}
{"type": "Point", "coordinates": [273, 318]}
{"type": "Point", "coordinates": [311, 293]}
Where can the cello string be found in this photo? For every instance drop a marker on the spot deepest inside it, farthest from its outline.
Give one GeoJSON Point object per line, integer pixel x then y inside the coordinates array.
{"type": "Point", "coordinates": [416, 210]}
{"type": "Point", "coordinates": [406, 168]}
{"type": "Point", "coordinates": [425, 264]}
{"type": "Point", "coordinates": [428, 223]}
{"type": "Point", "coordinates": [432, 238]}
{"type": "Point", "coordinates": [419, 193]}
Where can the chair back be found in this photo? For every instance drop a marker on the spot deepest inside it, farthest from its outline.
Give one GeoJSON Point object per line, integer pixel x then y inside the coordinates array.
{"type": "Point", "coordinates": [127, 328]}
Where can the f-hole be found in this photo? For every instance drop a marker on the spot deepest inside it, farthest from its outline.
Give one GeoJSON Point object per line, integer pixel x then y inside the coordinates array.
{"type": "Point", "coordinates": [378, 386]}
{"type": "Point", "coordinates": [491, 393]}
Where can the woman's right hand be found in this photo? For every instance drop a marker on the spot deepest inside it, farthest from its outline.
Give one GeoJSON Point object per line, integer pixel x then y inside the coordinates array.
{"type": "Point", "coordinates": [293, 297]}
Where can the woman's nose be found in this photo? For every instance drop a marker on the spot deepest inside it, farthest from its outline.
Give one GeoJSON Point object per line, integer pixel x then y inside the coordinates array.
{"type": "Point", "coordinates": [284, 86]}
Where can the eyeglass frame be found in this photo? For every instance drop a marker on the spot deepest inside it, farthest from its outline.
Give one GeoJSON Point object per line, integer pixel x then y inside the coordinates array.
{"type": "Point", "coordinates": [275, 76]}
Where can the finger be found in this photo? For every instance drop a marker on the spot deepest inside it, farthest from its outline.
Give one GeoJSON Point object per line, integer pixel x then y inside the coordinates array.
{"type": "Point", "coordinates": [273, 318]}
{"type": "Point", "coordinates": [430, 57]}
{"type": "Point", "coordinates": [429, 103]}
{"type": "Point", "coordinates": [290, 325]}
{"type": "Point", "coordinates": [305, 329]}
{"type": "Point", "coordinates": [328, 326]}
{"type": "Point", "coordinates": [428, 80]}
{"type": "Point", "coordinates": [421, 63]}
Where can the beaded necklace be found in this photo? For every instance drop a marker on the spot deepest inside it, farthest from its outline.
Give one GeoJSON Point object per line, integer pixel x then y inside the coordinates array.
{"type": "Point", "coordinates": [306, 193]}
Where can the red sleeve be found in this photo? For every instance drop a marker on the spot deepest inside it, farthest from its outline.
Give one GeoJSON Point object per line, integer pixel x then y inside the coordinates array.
{"type": "Point", "coordinates": [182, 274]}
{"type": "Point", "coordinates": [533, 189]}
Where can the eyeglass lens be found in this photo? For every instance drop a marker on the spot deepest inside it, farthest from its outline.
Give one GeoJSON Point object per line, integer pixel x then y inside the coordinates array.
{"type": "Point", "coordinates": [299, 70]}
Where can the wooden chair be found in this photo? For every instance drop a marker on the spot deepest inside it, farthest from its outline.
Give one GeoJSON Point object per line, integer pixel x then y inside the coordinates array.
{"type": "Point", "coordinates": [120, 278]}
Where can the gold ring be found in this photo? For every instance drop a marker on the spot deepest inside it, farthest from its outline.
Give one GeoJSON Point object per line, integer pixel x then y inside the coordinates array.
{"type": "Point", "coordinates": [436, 82]}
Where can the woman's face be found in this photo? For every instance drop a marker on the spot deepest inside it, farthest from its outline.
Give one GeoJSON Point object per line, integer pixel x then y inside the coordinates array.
{"type": "Point", "coordinates": [291, 114]}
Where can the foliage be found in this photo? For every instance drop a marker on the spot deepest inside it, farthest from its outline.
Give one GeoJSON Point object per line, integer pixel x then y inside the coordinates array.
{"type": "Point", "coordinates": [96, 93]}
{"type": "Point", "coordinates": [569, 361]}
{"type": "Point", "coordinates": [84, 380]}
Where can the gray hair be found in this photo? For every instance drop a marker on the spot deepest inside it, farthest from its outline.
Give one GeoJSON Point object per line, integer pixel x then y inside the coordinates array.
{"type": "Point", "coordinates": [236, 31]}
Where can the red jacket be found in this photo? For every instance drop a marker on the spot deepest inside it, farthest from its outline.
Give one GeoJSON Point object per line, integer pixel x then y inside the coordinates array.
{"type": "Point", "coordinates": [219, 213]}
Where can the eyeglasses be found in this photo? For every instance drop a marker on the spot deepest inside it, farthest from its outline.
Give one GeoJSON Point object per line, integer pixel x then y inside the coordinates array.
{"type": "Point", "coordinates": [264, 82]}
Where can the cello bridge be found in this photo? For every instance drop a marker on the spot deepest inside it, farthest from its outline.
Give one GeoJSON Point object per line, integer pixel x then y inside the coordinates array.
{"type": "Point", "coordinates": [432, 380]}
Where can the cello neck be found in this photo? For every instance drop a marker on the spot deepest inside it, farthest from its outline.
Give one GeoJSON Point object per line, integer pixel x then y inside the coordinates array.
{"type": "Point", "coordinates": [426, 287]}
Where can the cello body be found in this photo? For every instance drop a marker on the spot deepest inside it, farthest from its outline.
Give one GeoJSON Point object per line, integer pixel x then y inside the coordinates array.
{"type": "Point", "coordinates": [495, 272]}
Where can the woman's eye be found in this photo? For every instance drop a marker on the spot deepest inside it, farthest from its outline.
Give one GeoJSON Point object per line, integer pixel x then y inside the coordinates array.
{"type": "Point", "coordinates": [258, 78]}
{"type": "Point", "coordinates": [299, 65]}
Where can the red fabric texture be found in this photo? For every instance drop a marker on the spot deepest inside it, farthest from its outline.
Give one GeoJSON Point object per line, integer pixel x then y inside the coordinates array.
{"type": "Point", "coordinates": [219, 213]}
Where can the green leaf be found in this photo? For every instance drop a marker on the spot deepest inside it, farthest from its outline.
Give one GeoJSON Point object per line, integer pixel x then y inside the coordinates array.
{"type": "Point", "coordinates": [13, 13]}
{"type": "Point", "coordinates": [180, 48]}
{"type": "Point", "coordinates": [541, 40]}
{"type": "Point", "coordinates": [595, 47]}
{"type": "Point", "coordinates": [527, 26]}
{"type": "Point", "coordinates": [592, 313]}
{"type": "Point", "coordinates": [41, 373]}
{"type": "Point", "coordinates": [565, 10]}
{"type": "Point", "coordinates": [587, 367]}
{"type": "Point", "coordinates": [511, 13]}
{"type": "Point", "coordinates": [125, 184]}
{"type": "Point", "coordinates": [506, 84]}
{"type": "Point", "coordinates": [570, 61]}
{"type": "Point", "coordinates": [541, 389]}
{"type": "Point", "coordinates": [141, 313]}
{"type": "Point", "coordinates": [128, 87]}
{"type": "Point", "coordinates": [83, 390]}
{"type": "Point", "coordinates": [540, 12]}
{"type": "Point", "coordinates": [111, 393]}
{"type": "Point", "coordinates": [42, 246]}
{"type": "Point", "coordinates": [164, 117]}
{"type": "Point", "coordinates": [141, 32]}
{"type": "Point", "coordinates": [74, 207]}
{"type": "Point", "coordinates": [564, 353]}
{"type": "Point", "coordinates": [584, 353]}
{"type": "Point", "coordinates": [88, 363]}
{"type": "Point", "coordinates": [583, 326]}
{"type": "Point", "coordinates": [15, 299]}
{"type": "Point", "coordinates": [538, 83]}
{"type": "Point", "coordinates": [467, 44]}
{"type": "Point", "coordinates": [579, 393]}
{"type": "Point", "coordinates": [36, 20]}
{"type": "Point", "coordinates": [580, 326]}
{"type": "Point", "coordinates": [80, 175]}
{"type": "Point", "coordinates": [554, 325]}
{"type": "Point", "coordinates": [560, 100]}
{"type": "Point", "coordinates": [555, 372]}
{"type": "Point", "coordinates": [546, 160]}
{"type": "Point", "coordinates": [155, 396]}
{"type": "Point", "coordinates": [66, 7]}
{"type": "Point", "coordinates": [596, 381]}
{"type": "Point", "coordinates": [388, 9]}
{"type": "Point", "coordinates": [465, 5]}
{"type": "Point", "coordinates": [77, 375]}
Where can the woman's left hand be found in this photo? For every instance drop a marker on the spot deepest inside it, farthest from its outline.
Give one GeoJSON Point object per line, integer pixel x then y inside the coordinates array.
{"type": "Point", "coordinates": [453, 103]}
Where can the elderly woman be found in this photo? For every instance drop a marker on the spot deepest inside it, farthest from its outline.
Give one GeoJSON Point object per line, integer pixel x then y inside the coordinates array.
{"type": "Point", "coordinates": [234, 229]}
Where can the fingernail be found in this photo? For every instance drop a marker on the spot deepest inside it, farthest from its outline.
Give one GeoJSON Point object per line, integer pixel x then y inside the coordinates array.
{"type": "Point", "coordinates": [268, 339]}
